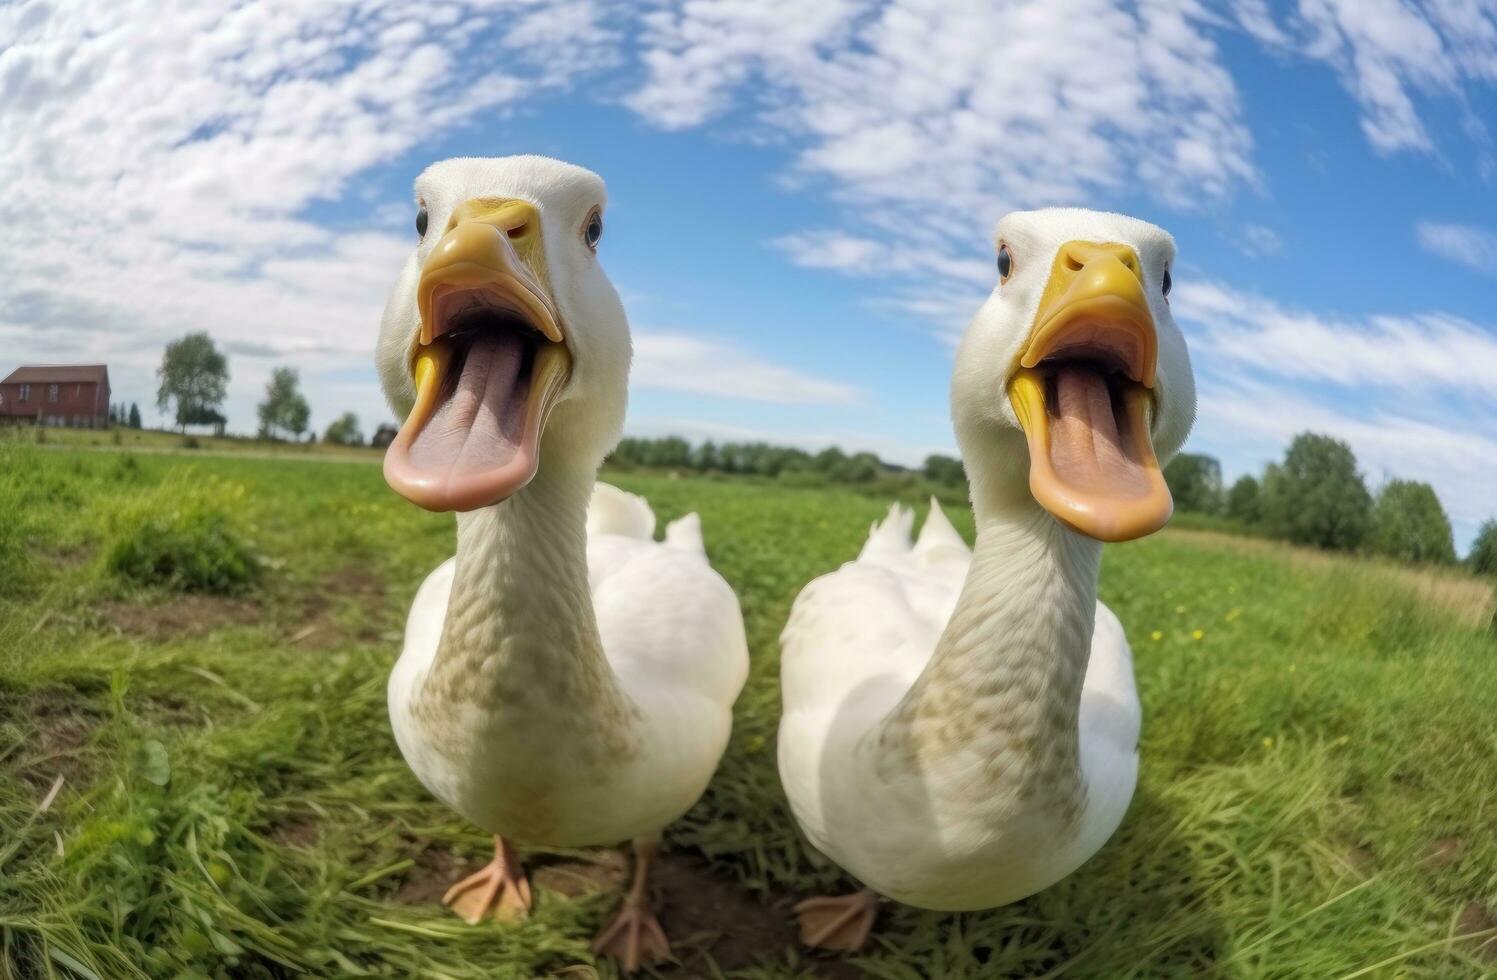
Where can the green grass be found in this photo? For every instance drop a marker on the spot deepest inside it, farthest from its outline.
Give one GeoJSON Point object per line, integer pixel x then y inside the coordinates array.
{"type": "Point", "coordinates": [163, 441]}
{"type": "Point", "coordinates": [1317, 792]}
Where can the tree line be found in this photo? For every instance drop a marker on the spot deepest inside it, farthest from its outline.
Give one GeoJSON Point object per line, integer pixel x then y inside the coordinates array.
{"type": "Point", "coordinates": [128, 416]}
{"type": "Point", "coordinates": [1316, 496]}
{"type": "Point", "coordinates": [830, 465]}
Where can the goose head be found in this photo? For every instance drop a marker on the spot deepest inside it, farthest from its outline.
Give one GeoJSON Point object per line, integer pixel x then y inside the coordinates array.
{"type": "Point", "coordinates": [1072, 384]}
{"type": "Point", "coordinates": [503, 345]}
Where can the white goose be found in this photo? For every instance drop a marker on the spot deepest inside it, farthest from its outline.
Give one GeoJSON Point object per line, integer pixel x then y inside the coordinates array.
{"type": "Point", "coordinates": [960, 728]}
{"type": "Point", "coordinates": [566, 680]}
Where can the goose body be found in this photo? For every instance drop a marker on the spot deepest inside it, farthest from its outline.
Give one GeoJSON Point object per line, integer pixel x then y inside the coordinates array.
{"type": "Point", "coordinates": [934, 836]}
{"type": "Point", "coordinates": [566, 679]}
{"type": "Point", "coordinates": [960, 728]}
{"type": "Point", "coordinates": [672, 635]}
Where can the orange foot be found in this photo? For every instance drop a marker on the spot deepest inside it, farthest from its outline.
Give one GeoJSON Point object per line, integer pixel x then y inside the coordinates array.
{"type": "Point", "coordinates": [499, 886]}
{"type": "Point", "coordinates": [635, 936]}
{"type": "Point", "coordinates": [843, 922]}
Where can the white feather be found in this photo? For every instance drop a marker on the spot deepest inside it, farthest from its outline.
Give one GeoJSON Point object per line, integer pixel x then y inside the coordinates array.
{"type": "Point", "coordinates": [566, 679]}
{"type": "Point", "coordinates": [920, 682]}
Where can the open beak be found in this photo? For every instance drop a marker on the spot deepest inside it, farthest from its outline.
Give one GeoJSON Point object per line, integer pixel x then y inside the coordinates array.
{"type": "Point", "coordinates": [488, 364]}
{"type": "Point", "coordinates": [1083, 392]}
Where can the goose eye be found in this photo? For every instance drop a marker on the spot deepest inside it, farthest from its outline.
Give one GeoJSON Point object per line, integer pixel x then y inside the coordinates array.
{"type": "Point", "coordinates": [593, 230]}
{"type": "Point", "coordinates": [1167, 283]}
{"type": "Point", "coordinates": [1005, 262]}
{"type": "Point", "coordinates": [421, 222]}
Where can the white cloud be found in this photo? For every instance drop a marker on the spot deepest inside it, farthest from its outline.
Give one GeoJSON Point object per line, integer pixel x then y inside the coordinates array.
{"type": "Point", "coordinates": [1431, 353]}
{"type": "Point", "coordinates": [1386, 52]}
{"type": "Point", "coordinates": [1257, 241]}
{"type": "Point", "coordinates": [685, 362]}
{"type": "Point", "coordinates": [951, 111]}
{"type": "Point", "coordinates": [160, 158]}
{"type": "Point", "coordinates": [860, 256]}
{"type": "Point", "coordinates": [1468, 245]}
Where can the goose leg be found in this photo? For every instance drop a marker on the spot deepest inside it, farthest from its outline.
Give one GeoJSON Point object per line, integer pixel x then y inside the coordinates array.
{"type": "Point", "coordinates": [635, 936]}
{"type": "Point", "coordinates": [500, 885]}
{"type": "Point", "coordinates": [842, 922]}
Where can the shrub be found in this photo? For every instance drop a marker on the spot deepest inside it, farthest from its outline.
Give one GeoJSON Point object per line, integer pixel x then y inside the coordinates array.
{"type": "Point", "coordinates": [184, 536]}
{"type": "Point", "coordinates": [1483, 558]}
{"type": "Point", "coordinates": [1316, 496]}
{"type": "Point", "coordinates": [1409, 523]}
{"type": "Point", "coordinates": [1195, 483]}
{"type": "Point", "coordinates": [1243, 502]}
{"type": "Point", "coordinates": [344, 431]}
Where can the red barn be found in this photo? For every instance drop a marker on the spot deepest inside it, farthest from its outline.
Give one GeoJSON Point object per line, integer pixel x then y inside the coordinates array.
{"type": "Point", "coordinates": [57, 394]}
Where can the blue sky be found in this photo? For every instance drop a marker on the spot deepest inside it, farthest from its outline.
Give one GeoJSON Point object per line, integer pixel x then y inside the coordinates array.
{"type": "Point", "coordinates": [802, 196]}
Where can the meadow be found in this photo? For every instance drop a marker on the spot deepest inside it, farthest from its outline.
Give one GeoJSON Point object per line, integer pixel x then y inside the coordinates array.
{"type": "Point", "coordinates": [197, 777]}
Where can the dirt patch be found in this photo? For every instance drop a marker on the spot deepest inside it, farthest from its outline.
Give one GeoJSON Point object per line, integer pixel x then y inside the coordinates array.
{"type": "Point", "coordinates": [179, 617]}
{"type": "Point", "coordinates": [709, 917]}
{"type": "Point", "coordinates": [297, 832]}
{"type": "Point", "coordinates": [706, 913]}
{"type": "Point", "coordinates": [1476, 919]}
{"type": "Point", "coordinates": [607, 871]}
{"type": "Point", "coordinates": [59, 724]}
{"type": "Point", "coordinates": [174, 711]}
{"type": "Point", "coordinates": [319, 625]}
{"type": "Point", "coordinates": [1442, 853]}
{"type": "Point", "coordinates": [435, 871]}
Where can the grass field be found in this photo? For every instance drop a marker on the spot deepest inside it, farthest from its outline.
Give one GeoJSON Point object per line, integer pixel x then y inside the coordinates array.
{"type": "Point", "coordinates": [203, 784]}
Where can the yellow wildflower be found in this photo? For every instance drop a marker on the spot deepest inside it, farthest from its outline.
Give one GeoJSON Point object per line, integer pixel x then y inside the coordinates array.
{"type": "Point", "coordinates": [1157, 635]}
{"type": "Point", "coordinates": [1198, 634]}
{"type": "Point", "coordinates": [1268, 743]}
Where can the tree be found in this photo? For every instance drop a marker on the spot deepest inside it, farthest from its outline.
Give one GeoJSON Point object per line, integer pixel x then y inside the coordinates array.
{"type": "Point", "coordinates": [134, 416]}
{"type": "Point", "coordinates": [299, 416]}
{"type": "Point", "coordinates": [1195, 481]}
{"type": "Point", "coordinates": [944, 469]}
{"type": "Point", "coordinates": [704, 457]}
{"type": "Point", "coordinates": [1242, 501]}
{"type": "Point", "coordinates": [383, 436]}
{"type": "Point", "coordinates": [194, 375]}
{"type": "Point", "coordinates": [344, 431]}
{"type": "Point", "coordinates": [1409, 523]}
{"type": "Point", "coordinates": [1483, 557]}
{"type": "Point", "coordinates": [829, 460]}
{"type": "Point", "coordinates": [858, 468]}
{"type": "Point", "coordinates": [1316, 496]}
{"type": "Point", "coordinates": [284, 408]}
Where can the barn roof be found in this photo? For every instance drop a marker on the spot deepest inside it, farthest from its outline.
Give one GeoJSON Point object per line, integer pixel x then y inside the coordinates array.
{"type": "Point", "coordinates": [58, 374]}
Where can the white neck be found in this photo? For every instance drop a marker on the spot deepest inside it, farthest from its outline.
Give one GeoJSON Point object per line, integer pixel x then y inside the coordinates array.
{"type": "Point", "coordinates": [1000, 696]}
{"type": "Point", "coordinates": [520, 639]}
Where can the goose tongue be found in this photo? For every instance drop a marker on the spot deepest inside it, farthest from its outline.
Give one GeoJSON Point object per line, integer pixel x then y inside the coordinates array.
{"type": "Point", "coordinates": [1087, 450]}
{"type": "Point", "coordinates": [1091, 455]}
{"type": "Point", "coordinates": [480, 416]}
{"type": "Point", "coordinates": [473, 437]}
